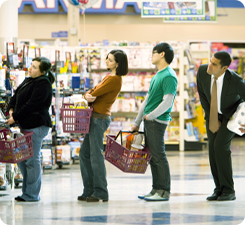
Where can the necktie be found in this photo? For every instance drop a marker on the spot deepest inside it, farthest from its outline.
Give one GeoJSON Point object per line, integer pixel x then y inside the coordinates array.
{"type": "Point", "coordinates": [213, 116]}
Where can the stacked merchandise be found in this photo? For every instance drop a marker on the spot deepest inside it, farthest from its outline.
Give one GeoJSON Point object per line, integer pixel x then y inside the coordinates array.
{"type": "Point", "coordinates": [91, 68]}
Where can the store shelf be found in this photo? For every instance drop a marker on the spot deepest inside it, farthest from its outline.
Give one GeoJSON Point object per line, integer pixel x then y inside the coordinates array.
{"type": "Point", "coordinates": [189, 137]}
{"type": "Point", "coordinates": [199, 51]}
{"type": "Point", "coordinates": [70, 92]}
{"type": "Point", "coordinates": [130, 70]}
{"type": "Point", "coordinates": [175, 114]}
{"type": "Point", "coordinates": [171, 142]}
{"type": "Point", "coordinates": [130, 94]}
{"type": "Point", "coordinates": [47, 167]}
{"type": "Point", "coordinates": [134, 114]}
{"type": "Point", "coordinates": [128, 114]}
{"type": "Point", "coordinates": [61, 164]}
{"type": "Point", "coordinates": [124, 91]}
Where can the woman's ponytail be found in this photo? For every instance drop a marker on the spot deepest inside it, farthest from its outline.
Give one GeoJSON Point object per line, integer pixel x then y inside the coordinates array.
{"type": "Point", "coordinates": [51, 77]}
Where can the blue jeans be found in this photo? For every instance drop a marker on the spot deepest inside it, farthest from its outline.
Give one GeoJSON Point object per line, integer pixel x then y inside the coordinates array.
{"type": "Point", "coordinates": [154, 140]}
{"type": "Point", "coordinates": [92, 163]}
{"type": "Point", "coordinates": [31, 168]}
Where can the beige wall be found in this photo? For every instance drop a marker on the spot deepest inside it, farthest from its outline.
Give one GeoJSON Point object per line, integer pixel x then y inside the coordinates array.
{"type": "Point", "coordinates": [229, 27]}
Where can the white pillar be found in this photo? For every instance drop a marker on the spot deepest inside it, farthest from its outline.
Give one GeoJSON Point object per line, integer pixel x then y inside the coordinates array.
{"type": "Point", "coordinates": [73, 25]}
{"type": "Point", "coordinates": [8, 24]}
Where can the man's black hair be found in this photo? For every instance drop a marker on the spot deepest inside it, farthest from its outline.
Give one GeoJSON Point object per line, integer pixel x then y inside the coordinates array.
{"type": "Point", "coordinates": [224, 57]}
{"type": "Point", "coordinates": [165, 47]}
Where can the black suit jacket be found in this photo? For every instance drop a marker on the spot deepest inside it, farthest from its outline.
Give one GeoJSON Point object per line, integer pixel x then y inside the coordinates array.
{"type": "Point", "coordinates": [31, 103]}
{"type": "Point", "coordinates": [232, 94]}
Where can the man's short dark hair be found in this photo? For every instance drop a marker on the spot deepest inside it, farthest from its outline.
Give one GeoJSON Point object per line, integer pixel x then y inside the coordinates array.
{"type": "Point", "coordinates": [165, 47]}
{"type": "Point", "coordinates": [224, 57]}
{"type": "Point", "coordinates": [122, 60]}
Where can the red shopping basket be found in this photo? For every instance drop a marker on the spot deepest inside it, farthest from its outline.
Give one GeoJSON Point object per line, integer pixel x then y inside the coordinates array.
{"type": "Point", "coordinates": [75, 120]}
{"type": "Point", "coordinates": [16, 150]}
{"type": "Point", "coordinates": [124, 159]}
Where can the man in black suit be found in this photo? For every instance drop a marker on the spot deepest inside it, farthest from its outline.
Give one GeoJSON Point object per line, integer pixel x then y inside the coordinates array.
{"type": "Point", "coordinates": [230, 93]}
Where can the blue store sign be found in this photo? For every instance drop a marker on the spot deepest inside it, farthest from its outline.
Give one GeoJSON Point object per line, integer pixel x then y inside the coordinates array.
{"type": "Point", "coordinates": [60, 34]}
{"type": "Point", "coordinates": [101, 7]}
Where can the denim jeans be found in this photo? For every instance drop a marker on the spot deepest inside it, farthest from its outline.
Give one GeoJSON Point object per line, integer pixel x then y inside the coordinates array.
{"type": "Point", "coordinates": [31, 168]}
{"type": "Point", "coordinates": [92, 163]}
{"type": "Point", "coordinates": [154, 140]}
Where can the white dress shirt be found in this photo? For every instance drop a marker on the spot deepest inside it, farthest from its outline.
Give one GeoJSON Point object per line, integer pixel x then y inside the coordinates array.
{"type": "Point", "coordinates": [219, 82]}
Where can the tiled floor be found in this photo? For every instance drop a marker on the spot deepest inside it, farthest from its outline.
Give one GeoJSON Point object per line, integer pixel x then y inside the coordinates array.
{"type": "Point", "coordinates": [191, 184]}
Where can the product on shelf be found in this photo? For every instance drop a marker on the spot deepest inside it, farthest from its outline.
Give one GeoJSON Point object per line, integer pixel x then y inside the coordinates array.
{"type": "Point", "coordinates": [63, 153]}
{"type": "Point", "coordinates": [75, 148]}
{"type": "Point", "coordinates": [46, 156]}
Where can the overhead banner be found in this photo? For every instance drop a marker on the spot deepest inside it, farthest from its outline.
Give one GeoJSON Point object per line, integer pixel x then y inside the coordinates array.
{"type": "Point", "coordinates": [173, 9]}
{"type": "Point", "coordinates": [61, 6]}
{"type": "Point", "coordinates": [210, 15]}
{"type": "Point", "coordinates": [103, 6]}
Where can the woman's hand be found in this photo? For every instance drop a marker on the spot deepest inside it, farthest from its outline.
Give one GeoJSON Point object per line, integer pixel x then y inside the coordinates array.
{"type": "Point", "coordinates": [90, 98]}
{"type": "Point", "coordinates": [10, 121]}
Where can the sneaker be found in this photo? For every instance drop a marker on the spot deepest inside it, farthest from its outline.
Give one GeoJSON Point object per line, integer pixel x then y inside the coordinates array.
{"type": "Point", "coordinates": [158, 196]}
{"type": "Point", "coordinates": [153, 191]}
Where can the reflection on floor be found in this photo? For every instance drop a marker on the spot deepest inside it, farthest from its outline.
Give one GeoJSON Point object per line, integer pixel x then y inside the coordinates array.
{"type": "Point", "coordinates": [191, 184]}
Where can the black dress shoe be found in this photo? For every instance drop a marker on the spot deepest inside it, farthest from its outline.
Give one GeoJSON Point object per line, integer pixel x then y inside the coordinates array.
{"type": "Point", "coordinates": [94, 199]}
{"type": "Point", "coordinates": [19, 199]}
{"type": "Point", "coordinates": [213, 197]}
{"type": "Point", "coordinates": [81, 198]}
{"type": "Point", "coordinates": [226, 197]}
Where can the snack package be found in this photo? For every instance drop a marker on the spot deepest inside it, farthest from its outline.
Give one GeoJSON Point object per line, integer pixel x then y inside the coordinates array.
{"type": "Point", "coordinates": [130, 139]}
{"type": "Point", "coordinates": [82, 103]}
{"type": "Point", "coordinates": [136, 147]}
{"type": "Point", "coordinates": [75, 98]}
{"type": "Point", "coordinates": [135, 139]}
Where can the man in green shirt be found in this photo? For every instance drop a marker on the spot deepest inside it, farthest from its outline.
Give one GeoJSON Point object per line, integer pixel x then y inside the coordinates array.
{"type": "Point", "coordinates": [155, 111]}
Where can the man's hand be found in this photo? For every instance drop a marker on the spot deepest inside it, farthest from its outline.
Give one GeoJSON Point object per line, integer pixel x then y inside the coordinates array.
{"type": "Point", "coordinates": [10, 121]}
{"type": "Point", "coordinates": [242, 129]}
{"type": "Point", "coordinates": [146, 117]}
{"type": "Point", "coordinates": [134, 129]}
{"type": "Point", "coordinates": [89, 98]}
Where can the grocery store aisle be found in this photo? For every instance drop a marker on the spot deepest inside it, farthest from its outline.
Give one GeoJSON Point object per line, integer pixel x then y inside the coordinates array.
{"type": "Point", "coordinates": [191, 184]}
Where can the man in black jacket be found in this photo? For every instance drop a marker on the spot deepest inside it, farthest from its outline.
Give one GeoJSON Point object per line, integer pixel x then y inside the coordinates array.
{"type": "Point", "coordinates": [230, 93]}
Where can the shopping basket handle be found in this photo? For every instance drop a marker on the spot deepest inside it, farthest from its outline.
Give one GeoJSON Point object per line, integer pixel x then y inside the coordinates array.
{"type": "Point", "coordinates": [125, 131]}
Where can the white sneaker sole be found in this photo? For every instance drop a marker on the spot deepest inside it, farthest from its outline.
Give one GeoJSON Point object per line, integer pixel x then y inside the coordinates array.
{"type": "Point", "coordinates": [144, 196]}
{"type": "Point", "coordinates": [156, 199]}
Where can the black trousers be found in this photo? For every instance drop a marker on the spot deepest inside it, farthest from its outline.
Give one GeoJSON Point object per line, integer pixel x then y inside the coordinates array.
{"type": "Point", "coordinates": [220, 157]}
